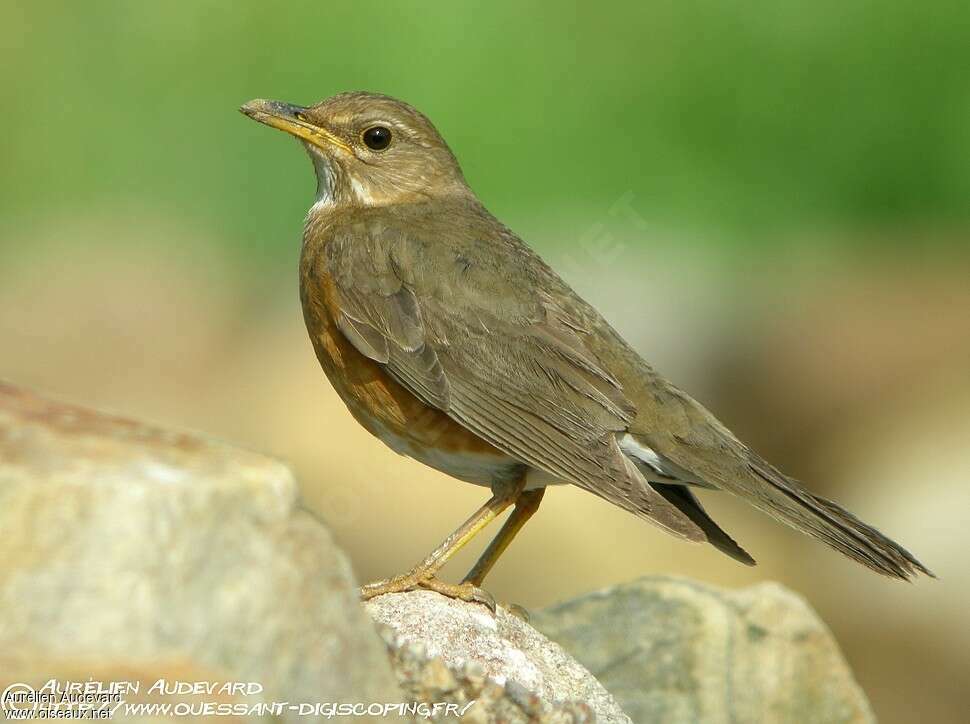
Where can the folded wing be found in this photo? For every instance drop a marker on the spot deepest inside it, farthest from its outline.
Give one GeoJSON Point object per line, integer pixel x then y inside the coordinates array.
{"type": "Point", "coordinates": [507, 364]}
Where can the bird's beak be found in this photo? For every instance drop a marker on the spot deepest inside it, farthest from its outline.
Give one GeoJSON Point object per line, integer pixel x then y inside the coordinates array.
{"type": "Point", "coordinates": [292, 119]}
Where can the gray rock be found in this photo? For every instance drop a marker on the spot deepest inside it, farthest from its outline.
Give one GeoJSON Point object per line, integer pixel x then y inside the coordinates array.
{"type": "Point", "coordinates": [672, 651]}
{"type": "Point", "coordinates": [129, 553]}
{"type": "Point", "coordinates": [517, 674]}
{"type": "Point", "coordinates": [428, 680]}
{"type": "Point", "coordinates": [132, 553]}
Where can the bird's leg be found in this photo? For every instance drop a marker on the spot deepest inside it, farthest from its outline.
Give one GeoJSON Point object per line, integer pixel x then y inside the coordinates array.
{"type": "Point", "coordinates": [423, 574]}
{"type": "Point", "coordinates": [526, 505]}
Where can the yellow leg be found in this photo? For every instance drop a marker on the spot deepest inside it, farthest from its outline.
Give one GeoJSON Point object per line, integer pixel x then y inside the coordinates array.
{"type": "Point", "coordinates": [526, 505]}
{"type": "Point", "coordinates": [423, 574]}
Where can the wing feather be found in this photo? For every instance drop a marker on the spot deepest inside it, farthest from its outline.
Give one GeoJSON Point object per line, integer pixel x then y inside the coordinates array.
{"type": "Point", "coordinates": [519, 375]}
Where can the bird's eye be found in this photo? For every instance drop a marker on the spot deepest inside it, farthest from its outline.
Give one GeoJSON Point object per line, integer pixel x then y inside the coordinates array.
{"type": "Point", "coordinates": [377, 138]}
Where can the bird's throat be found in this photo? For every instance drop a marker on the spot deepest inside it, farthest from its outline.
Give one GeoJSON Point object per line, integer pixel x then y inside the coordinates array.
{"type": "Point", "coordinates": [326, 179]}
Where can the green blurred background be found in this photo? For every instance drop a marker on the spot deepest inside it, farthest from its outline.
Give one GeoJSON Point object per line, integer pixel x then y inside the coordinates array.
{"type": "Point", "coordinates": [770, 201]}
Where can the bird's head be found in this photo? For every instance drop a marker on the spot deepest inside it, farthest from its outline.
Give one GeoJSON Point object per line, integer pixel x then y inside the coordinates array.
{"type": "Point", "coordinates": [367, 149]}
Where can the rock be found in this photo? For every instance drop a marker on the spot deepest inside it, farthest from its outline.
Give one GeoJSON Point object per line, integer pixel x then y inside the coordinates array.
{"type": "Point", "coordinates": [672, 650]}
{"type": "Point", "coordinates": [133, 553]}
{"type": "Point", "coordinates": [456, 651]}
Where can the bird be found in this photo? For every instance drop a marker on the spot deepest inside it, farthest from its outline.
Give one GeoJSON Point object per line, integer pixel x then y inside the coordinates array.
{"type": "Point", "coordinates": [452, 341]}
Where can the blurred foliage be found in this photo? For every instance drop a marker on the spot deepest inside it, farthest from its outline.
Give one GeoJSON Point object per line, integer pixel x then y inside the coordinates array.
{"type": "Point", "coordinates": [729, 121]}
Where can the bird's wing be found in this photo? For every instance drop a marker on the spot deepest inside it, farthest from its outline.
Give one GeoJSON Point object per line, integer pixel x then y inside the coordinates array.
{"type": "Point", "coordinates": [470, 328]}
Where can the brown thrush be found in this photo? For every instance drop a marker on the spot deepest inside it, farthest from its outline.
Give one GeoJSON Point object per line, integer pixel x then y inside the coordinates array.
{"type": "Point", "coordinates": [450, 339]}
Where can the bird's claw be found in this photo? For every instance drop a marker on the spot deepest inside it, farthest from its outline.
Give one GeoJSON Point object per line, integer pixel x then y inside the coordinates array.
{"type": "Point", "coordinates": [414, 582]}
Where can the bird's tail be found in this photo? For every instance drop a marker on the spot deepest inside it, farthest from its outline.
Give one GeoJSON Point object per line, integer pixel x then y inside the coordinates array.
{"type": "Point", "coordinates": [790, 503]}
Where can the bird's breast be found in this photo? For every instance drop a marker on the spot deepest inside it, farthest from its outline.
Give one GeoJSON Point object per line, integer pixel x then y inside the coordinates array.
{"type": "Point", "coordinates": [384, 407]}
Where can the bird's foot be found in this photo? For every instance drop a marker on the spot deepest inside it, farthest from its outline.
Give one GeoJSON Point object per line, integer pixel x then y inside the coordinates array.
{"type": "Point", "coordinates": [415, 582]}
{"type": "Point", "coordinates": [398, 584]}
{"type": "Point", "coordinates": [461, 591]}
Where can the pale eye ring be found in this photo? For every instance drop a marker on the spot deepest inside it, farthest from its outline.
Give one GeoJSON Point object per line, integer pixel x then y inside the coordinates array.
{"type": "Point", "coordinates": [377, 138]}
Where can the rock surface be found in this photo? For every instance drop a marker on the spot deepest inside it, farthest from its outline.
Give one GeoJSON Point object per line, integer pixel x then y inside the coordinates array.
{"type": "Point", "coordinates": [133, 553]}
{"type": "Point", "coordinates": [672, 650]}
{"type": "Point", "coordinates": [456, 646]}
{"type": "Point", "coordinates": [129, 553]}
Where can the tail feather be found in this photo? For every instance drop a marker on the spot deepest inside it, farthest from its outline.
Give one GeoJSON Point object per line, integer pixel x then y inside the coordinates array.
{"type": "Point", "coordinates": [682, 497]}
{"type": "Point", "coordinates": [788, 501]}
